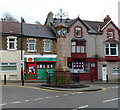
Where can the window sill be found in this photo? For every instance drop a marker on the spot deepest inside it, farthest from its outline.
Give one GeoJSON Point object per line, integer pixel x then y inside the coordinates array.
{"type": "Point", "coordinates": [11, 49]}
{"type": "Point", "coordinates": [32, 51]}
{"type": "Point", "coordinates": [112, 58]}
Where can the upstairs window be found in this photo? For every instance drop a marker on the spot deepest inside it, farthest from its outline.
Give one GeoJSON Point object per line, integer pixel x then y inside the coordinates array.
{"type": "Point", "coordinates": [47, 46]}
{"type": "Point", "coordinates": [31, 45]}
{"type": "Point", "coordinates": [110, 33]}
{"type": "Point", "coordinates": [111, 49]}
{"type": "Point", "coordinates": [11, 43]}
{"type": "Point", "coordinates": [78, 47]}
{"type": "Point", "coordinates": [78, 31]}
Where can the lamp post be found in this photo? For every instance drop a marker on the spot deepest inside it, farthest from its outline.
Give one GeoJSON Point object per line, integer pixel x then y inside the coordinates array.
{"type": "Point", "coordinates": [22, 80]}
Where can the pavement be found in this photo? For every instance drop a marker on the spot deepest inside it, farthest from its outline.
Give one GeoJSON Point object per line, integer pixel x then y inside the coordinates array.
{"type": "Point", "coordinates": [39, 85]}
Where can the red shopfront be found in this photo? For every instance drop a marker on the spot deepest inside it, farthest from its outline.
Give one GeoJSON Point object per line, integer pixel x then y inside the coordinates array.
{"type": "Point", "coordinates": [85, 67]}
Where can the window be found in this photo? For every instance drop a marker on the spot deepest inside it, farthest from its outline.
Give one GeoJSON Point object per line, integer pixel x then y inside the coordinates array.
{"type": "Point", "coordinates": [111, 49]}
{"type": "Point", "coordinates": [78, 31]}
{"type": "Point", "coordinates": [79, 67]}
{"type": "Point", "coordinates": [31, 45]}
{"type": "Point", "coordinates": [8, 66]}
{"type": "Point", "coordinates": [11, 43]}
{"type": "Point", "coordinates": [47, 46]}
{"type": "Point", "coordinates": [110, 33]}
{"type": "Point", "coordinates": [116, 70]}
{"type": "Point", "coordinates": [78, 47]}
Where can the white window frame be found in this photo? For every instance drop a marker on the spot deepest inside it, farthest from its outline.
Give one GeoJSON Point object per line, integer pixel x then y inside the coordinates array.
{"type": "Point", "coordinates": [47, 46]}
{"type": "Point", "coordinates": [8, 65]}
{"type": "Point", "coordinates": [110, 49]}
{"type": "Point", "coordinates": [8, 42]}
{"type": "Point", "coordinates": [33, 43]}
{"type": "Point", "coordinates": [78, 29]}
{"type": "Point", "coordinates": [110, 32]}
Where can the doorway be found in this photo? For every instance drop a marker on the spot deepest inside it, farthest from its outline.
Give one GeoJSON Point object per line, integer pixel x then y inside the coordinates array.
{"type": "Point", "coordinates": [104, 72]}
{"type": "Point", "coordinates": [32, 75]}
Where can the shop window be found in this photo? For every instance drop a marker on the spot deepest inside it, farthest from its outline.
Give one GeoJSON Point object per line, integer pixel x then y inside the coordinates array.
{"type": "Point", "coordinates": [115, 70]}
{"type": "Point", "coordinates": [79, 67]}
{"type": "Point", "coordinates": [31, 45]}
{"type": "Point", "coordinates": [111, 49]}
{"type": "Point", "coordinates": [11, 43]}
{"type": "Point", "coordinates": [45, 65]}
{"type": "Point", "coordinates": [78, 47]}
{"type": "Point", "coordinates": [8, 66]}
{"type": "Point", "coordinates": [47, 46]}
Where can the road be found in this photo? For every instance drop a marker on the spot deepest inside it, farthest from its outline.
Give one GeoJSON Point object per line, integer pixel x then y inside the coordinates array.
{"type": "Point", "coordinates": [30, 97]}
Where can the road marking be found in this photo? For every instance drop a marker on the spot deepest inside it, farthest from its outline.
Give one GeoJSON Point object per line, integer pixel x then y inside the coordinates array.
{"type": "Point", "coordinates": [110, 100]}
{"type": "Point", "coordinates": [57, 96]}
{"type": "Point", "coordinates": [15, 102]}
{"type": "Point", "coordinates": [85, 106]}
{"type": "Point", "coordinates": [47, 97]}
{"type": "Point", "coordinates": [102, 89]}
{"type": "Point", "coordinates": [27, 100]}
{"type": "Point", "coordinates": [65, 94]}
{"type": "Point", "coordinates": [4, 104]}
{"type": "Point", "coordinates": [114, 87]}
{"type": "Point", "coordinates": [40, 98]}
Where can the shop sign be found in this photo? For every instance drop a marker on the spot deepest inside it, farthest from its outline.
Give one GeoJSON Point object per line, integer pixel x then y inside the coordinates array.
{"type": "Point", "coordinates": [30, 59]}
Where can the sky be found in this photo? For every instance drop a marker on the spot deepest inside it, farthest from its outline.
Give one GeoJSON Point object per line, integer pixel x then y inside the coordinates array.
{"type": "Point", "coordinates": [37, 10]}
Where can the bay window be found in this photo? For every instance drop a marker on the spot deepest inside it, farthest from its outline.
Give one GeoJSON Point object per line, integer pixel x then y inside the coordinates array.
{"type": "Point", "coordinates": [78, 47]}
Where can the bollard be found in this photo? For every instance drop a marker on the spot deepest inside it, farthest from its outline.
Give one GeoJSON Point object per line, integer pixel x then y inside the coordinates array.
{"type": "Point", "coordinates": [5, 79]}
{"type": "Point", "coordinates": [49, 78]}
{"type": "Point", "coordinates": [91, 78]}
{"type": "Point", "coordinates": [106, 78]}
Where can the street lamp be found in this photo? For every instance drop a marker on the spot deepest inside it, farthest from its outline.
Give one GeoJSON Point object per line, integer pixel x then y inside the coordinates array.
{"type": "Point", "coordinates": [22, 20]}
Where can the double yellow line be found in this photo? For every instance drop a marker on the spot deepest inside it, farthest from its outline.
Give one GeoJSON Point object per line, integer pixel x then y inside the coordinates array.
{"type": "Point", "coordinates": [102, 89]}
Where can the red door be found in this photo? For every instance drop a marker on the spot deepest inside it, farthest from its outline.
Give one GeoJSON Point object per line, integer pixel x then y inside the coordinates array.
{"type": "Point", "coordinates": [32, 75]}
{"type": "Point", "coordinates": [94, 74]}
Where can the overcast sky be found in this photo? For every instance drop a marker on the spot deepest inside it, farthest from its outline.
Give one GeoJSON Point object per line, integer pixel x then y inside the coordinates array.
{"type": "Point", "coordinates": [37, 10]}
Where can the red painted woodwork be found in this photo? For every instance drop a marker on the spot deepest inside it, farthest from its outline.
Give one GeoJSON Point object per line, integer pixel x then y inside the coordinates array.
{"type": "Point", "coordinates": [108, 32]}
{"type": "Point", "coordinates": [112, 58]}
{"type": "Point", "coordinates": [78, 55]}
{"type": "Point", "coordinates": [75, 31]}
{"type": "Point", "coordinates": [32, 65]}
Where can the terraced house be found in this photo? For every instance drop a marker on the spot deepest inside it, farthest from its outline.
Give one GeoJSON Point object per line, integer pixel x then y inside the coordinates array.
{"type": "Point", "coordinates": [92, 48]}
{"type": "Point", "coordinates": [35, 48]}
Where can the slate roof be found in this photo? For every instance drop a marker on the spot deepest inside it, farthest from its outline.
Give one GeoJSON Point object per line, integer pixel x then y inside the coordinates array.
{"type": "Point", "coordinates": [10, 27]}
{"type": "Point", "coordinates": [93, 26]}
{"type": "Point", "coordinates": [33, 30]}
{"type": "Point", "coordinates": [36, 30]}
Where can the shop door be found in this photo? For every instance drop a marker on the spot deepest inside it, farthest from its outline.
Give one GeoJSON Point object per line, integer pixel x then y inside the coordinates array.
{"type": "Point", "coordinates": [32, 75]}
{"type": "Point", "coordinates": [104, 72]}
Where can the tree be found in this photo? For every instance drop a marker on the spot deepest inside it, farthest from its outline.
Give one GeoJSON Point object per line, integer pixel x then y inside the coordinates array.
{"type": "Point", "coordinates": [8, 17]}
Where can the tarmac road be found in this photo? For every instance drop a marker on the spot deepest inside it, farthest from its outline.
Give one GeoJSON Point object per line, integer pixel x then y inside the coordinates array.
{"type": "Point", "coordinates": [33, 97]}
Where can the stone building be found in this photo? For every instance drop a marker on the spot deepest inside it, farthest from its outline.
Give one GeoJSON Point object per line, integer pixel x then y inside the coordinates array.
{"type": "Point", "coordinates": [35, 48]}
